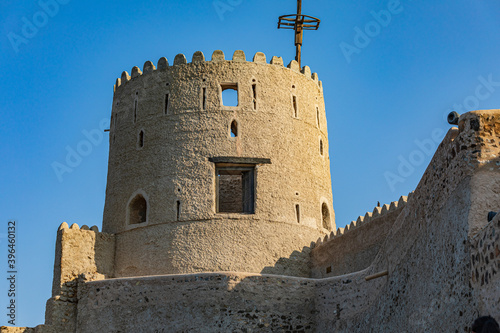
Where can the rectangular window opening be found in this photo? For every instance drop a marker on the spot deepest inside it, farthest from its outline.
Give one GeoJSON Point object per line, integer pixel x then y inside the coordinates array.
{"type": "Point", "coordinates": [204, 99]}
{"type": "Point", "coordinates": [297, 212]}
{"type": "Point", "coordinates": [166, 103]}
{"type": "Point", "coordinates": [254, 90]}
{"type": "Point", "coordinates": [317, 116]}
{"type": "Point", "coordinates": [178, 210]}
{"type": "Point", "coordinates": [229, 94]}
{"type": "Point", "coordinates": [295, 111]}
{"type": "Point", "coordinates": [328, 269]}
{"type": "Point", "coordinates": [235, 190]}
{"type": "Point", "coordinates": [135, 111]}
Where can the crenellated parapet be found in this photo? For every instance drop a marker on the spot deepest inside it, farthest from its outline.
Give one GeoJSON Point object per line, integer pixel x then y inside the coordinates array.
{"type": "Point", "coordinates": [354, 247]}
{"type": "Point", "coordinates": [369, 217]}
{"type": "Point", "coordinates": [218, 57]}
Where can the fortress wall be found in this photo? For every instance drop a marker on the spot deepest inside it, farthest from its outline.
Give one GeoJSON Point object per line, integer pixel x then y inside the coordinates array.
{"type": "Point", "coordinates": [427, 253]}
{"type": "Point", "coordinates": [485, 277]}
{"type": "Point", "coordinates": [353, 248]}
{"type": "Point", "coordinates": [224, 244]}
{"type": "Point", "coordinates": [174, 163]}
{"type": "Point", "coordinates": [209, 302]}
{"type": "Point", "coordinates": [485, 184]}
{"type": "Point", "coordinates": [81, 254]}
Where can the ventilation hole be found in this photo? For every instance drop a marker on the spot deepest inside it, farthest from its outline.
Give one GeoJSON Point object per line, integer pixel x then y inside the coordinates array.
{"type": "Point", "coordinates": [178, 190]}
{"type": "Point", "coordinates": [296, 193]}
{"type": "Point", "coordinates": [328, 269]}
{"type": "Point", "coordinates": [137, 210]}
{"type": "Point", "coordinates": [167, 84]}
{"type": "Point", "coordinates": [204, 99]}
{"type": "Point", "coordinates": [137, 93]}
{"type": "Point", "coordinates": [293, 86]}
{"type": "Point", "coordinates": [229, 94]}
{"type": "Point", "coordinates": [166, 102]}
{"type": "Point", "coordinates": [317, 115]}
{"type": "Point", "coordinates": [325, 216]}
{"type": "Point", "coordinates": [297, 212]}
{"type": "Point", "coordinates": [295, 111]}
{"type": "Point", "coordinates": [254, 90]}
{"type": "Point", "coordinates": [135, 111]}
{"type": "Point", "coordinates": [234, 129]}
{"type": "Point", "coordinates": [321, 147]}
{"type": "Point", "coordinates": [204, 80]}
{"type": "Point", "coordinates": [140, 142]}
{"type": "Point", "coordinates": [178, 211]}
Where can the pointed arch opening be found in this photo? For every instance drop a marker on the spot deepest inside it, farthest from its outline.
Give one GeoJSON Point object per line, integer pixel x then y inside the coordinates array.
{"type": "Point", "coordinates": [137, 210]}
{"type": "Point", "coordinates": [325, 216]}
{"type": "Point", "coordinates": [234, 129]}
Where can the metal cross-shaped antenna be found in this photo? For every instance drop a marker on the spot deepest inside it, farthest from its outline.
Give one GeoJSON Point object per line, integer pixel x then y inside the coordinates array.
{"type": "Point", "coordinates": [299, 23]}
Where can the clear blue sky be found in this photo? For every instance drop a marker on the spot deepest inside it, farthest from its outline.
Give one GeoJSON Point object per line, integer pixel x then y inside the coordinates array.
{"type": "Point", "coordinates": [388, 83]}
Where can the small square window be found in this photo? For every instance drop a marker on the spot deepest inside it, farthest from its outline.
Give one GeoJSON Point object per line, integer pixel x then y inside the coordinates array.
{"type": "Point", "coordinates": [229, 94]}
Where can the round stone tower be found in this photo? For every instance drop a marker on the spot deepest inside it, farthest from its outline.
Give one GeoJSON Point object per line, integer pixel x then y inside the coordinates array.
{"type": "Point", "coordinates": [217, 165]}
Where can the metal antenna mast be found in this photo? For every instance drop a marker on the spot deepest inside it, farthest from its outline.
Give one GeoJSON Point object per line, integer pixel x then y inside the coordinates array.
{"type": "Point", "coordinates": [299, 23]}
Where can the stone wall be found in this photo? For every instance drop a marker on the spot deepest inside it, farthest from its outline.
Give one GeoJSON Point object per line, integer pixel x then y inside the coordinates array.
{"type": "Point", "coordinates": [354, 247]}
{"type": "Point", "coordinates": [485, 256]}
{"type": "Point", "coordinates": [428, 251]}
{"type": "Point", "coordinates": [209, 302]}
{"type": "Point", "coordinates": [243, 244]}
{"type": "Point", "coordinates": [81, 255]}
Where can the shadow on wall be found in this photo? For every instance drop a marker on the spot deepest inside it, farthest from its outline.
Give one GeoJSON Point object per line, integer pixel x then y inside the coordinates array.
{"type": "Point", "coordinates": [297, 264]}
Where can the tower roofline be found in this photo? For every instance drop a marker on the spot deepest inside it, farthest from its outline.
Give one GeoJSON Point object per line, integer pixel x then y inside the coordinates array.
{"type": "Point", "coordinates": [217, 57]}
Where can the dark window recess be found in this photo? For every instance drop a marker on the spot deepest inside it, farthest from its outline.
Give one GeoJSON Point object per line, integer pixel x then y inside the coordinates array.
{"type": "Point", "coordinates": [321, 146]}
{"type": "Point", "coordinates": [328, 269]}
{"type": "Point", "coordinates": [325, 214]}
{"type": "Point", "coordinates": [135, 111]}
{"type": "Point", "coordinates": [295, 110]}
{"type": "Point", "coordinates": [178, 211]}
{"type": "Point", "coordinates": [204, 99]}
{"type": "Point", "coordinates": [137, 210]}
{"type": "Point", "coordinates": [166, 103]}
{"type": "Point", "coordinates": [317, 116]}
{"type": "Point", "coordinates": [254, 91]}
{"type": "Point", "coordinates": [297, 212]}
{"type": "Point", "coordinates": [140, 141]}
{"type": "Point", "coordinates": [229, 94]}
{"type": "Point", "coordinates": [234, 129]}
{"type": "Point", "coordinates": [235, 190]}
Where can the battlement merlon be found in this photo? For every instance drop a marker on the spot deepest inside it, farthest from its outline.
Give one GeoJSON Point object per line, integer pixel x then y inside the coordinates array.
{"type": "Point", "coordinates": [217, 57]}
{"type": "Point", "coordinates": [81, 251]}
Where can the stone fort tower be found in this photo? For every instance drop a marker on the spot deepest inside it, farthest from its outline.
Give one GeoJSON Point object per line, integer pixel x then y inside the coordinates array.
{"type": "Point", "coordinates": [211, 211]}
{"type": "Point", "coordinates": [195, 185]}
